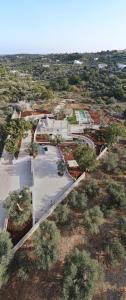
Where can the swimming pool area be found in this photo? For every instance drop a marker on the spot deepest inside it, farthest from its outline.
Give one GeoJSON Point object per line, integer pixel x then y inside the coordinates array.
{"type": "Point", "coordinates": [83, 117]}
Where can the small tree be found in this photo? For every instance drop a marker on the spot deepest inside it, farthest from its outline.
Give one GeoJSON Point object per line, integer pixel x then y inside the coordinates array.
{"type": "Point", "coordinates": [93, 219]}
{"type": "Point", "coordinates": [78, 200]}
{"type": "Point", "coordinates": [62, 214]}
{"type": "Point", "coordinates": [82, 276]}
{"type": "Point", "coordinates": [46, 245]}
{"type": "Point", "coordinates": [86, 157]}
{"type": "Point", "coordinates": [61, 166]}
{"type": "Point", "coordinates": [6, 255]}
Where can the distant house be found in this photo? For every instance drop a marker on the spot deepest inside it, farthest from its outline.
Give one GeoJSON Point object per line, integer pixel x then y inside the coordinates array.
{"type": "Point", "coordinates": [102, 66]}
{"type": "Point", "coordinates": [121, 66]}
{"type": "Point", "coordinates": [78, 62]}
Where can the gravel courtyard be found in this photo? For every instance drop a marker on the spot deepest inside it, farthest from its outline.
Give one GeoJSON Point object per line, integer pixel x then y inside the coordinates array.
{"type": "Point", "coordinates": [48, 185]}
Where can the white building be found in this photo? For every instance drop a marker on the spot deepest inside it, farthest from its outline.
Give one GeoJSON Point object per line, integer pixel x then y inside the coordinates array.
{"type": "Point", "coordinates": [53, 127]}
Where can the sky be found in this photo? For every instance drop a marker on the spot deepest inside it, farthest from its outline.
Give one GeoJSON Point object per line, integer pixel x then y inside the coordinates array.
{"type": "Point", "coordinates": [57, 26]}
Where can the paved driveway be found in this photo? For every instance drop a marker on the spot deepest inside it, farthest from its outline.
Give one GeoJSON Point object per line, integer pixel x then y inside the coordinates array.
{"type": "Point", "coordinates": [13, 177]}
{"type": "Point", "coordinates": [48, 186]}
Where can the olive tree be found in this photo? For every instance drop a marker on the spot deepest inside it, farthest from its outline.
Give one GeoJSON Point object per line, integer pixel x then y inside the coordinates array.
{"type": "Point", "coordinates": [46, 245]}
{"type": "Point", "coordinates": [115, 252]}
{"type": "Point", "coordinates": [78, 200]}
{"type": "Point", "coordinates": [62, 213]}
{"type": "Point", "coordinates": [111, 162]}
{"type": "Point", "coordinates": [86, 157]}
{"type": "Point", "coordinates": [93, 219]}
{"type": "Point", "coordinates": [82, 276]}
{"type": "Point", "coordinates": [18, 206]}
{"type": "Point", "coordinates": [6, 255]}
{"type": "Point", "coordinates": [92, 188]}
{"type": "Point", "coordinates": [116, 195]}
{"type": "Point", "coordinates": [113, 131]}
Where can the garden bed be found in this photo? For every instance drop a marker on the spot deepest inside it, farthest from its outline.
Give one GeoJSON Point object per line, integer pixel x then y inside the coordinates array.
{"type": "Point", "coordinates": [18, 232]}
{"type": "Point", "coordinates": [43, 138]}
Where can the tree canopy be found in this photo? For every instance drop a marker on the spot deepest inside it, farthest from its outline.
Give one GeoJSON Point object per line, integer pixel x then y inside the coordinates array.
{"type": "Point", "coordinates": [6, 255]}
{"type": "Point", "coordinates": [18, 206]}
{"type": "Point", "coordinates": [113, 131]}
{"type": "Point", "coordinates": [82, 276]}
{"type": "Point", "coordinates": [86, 157]}
{"type": "Point", "coordinates": [46, 245]}
{"type": "Point", "coordinates": [93, 219]}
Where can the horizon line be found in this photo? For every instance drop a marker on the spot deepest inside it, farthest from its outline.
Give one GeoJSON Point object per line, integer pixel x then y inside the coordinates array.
{"type": "Point", "coordinates": [60, 53]}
